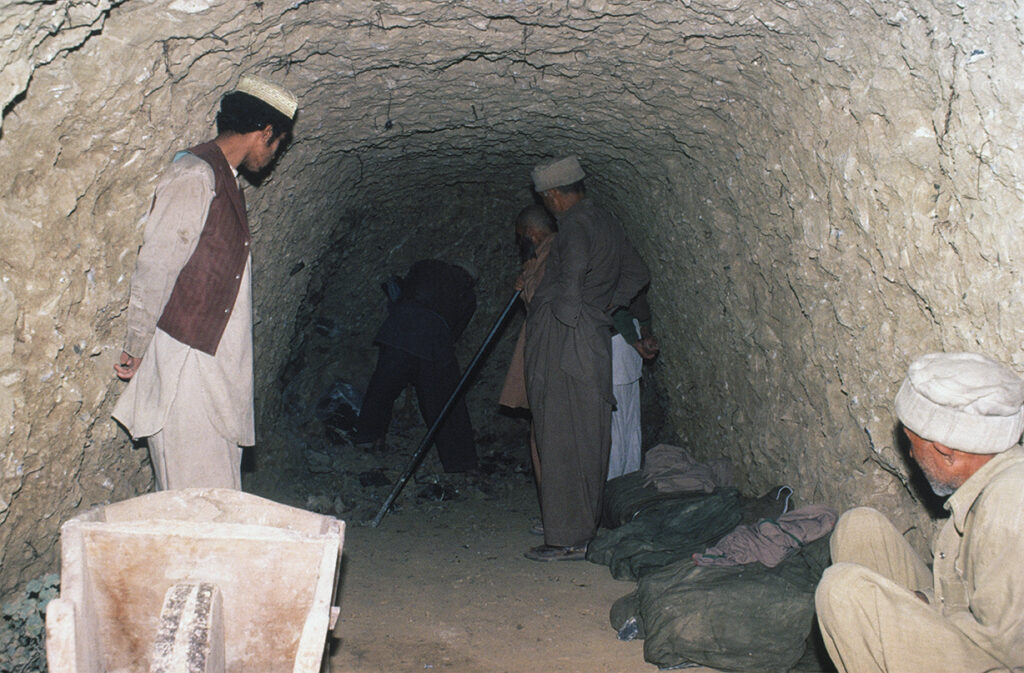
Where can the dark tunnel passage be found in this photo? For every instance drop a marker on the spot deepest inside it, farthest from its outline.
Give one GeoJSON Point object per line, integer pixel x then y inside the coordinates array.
{"type": "Point", "coordinates": [309, 454]}
{"type": "Point", "coordinates": [820, 192]}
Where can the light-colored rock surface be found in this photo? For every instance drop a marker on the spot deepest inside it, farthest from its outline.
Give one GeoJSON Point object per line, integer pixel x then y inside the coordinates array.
{"type": "Point", "coordinates": [823, 191]}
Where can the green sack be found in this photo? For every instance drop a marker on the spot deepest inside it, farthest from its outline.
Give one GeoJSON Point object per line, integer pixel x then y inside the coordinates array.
{"type": "Point", "coordinates": [626, 496]}
{"type": "Point", "coordinates": [666, 531]}
{"type": "Point", "coordinates": [748, 618]}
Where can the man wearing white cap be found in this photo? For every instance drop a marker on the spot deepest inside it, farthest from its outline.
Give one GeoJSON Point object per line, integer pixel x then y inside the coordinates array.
{"type": "Point", "coordinates": [188, 353]}
{"type": "Point", "coordinates": [591, 270]}
{"type": "Point", "coordinates": [881, 608]}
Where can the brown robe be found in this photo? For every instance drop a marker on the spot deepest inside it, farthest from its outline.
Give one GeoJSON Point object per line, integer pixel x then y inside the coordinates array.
{"type": "Point", "coordinates": [591, 268]}
{"type": "Point", "coordinates": [513, 393]}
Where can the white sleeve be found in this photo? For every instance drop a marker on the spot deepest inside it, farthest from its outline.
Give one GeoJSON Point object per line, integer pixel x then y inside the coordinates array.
{"type": "Point", "coordinates": [173, 226]}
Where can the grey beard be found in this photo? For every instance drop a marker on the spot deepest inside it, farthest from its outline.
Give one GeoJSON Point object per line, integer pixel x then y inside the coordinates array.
{"type": "Point", "coordinates": [940, 488]}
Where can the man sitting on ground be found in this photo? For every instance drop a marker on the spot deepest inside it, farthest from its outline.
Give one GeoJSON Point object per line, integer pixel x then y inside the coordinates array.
{"type": "Point", "coordinates": [881, 608]}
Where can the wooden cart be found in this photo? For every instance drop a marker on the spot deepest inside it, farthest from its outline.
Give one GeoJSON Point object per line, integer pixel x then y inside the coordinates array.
{"type": "Point", "coordinates": [269, 574]}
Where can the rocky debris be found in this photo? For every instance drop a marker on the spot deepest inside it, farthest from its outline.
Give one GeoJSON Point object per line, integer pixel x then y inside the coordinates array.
{"type": "Point", "coordinates": [335, 477]}
{"type": "Point", "coordinates": [339, 409]}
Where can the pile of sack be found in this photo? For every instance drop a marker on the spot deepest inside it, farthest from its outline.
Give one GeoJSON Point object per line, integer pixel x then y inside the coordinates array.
{"type": "Point", "coordinates": [723, 581]}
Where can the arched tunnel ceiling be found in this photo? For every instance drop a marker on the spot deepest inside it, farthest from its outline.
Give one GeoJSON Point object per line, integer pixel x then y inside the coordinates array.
{"type": "Point", "coordinates": [424, 82]}
{"type": "Point", "coordinates": [822, 191]}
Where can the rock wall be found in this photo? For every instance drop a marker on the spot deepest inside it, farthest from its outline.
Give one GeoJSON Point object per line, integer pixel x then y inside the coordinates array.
{"type": "Point", "coordinates": [823, 191]}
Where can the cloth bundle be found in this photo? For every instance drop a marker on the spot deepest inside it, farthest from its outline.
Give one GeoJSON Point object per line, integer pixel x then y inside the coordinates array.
{"type": "Point", "coordinates": [671, 469]}
{"type": "Point", "coordinates": [770, 541]}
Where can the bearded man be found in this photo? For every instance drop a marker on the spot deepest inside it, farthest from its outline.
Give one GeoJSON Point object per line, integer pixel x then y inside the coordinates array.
{"type": "Point", "coordinates": [880, 606]}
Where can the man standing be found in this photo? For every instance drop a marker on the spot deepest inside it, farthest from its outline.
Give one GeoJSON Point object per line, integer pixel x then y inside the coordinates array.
{"type": "Point", "coordinates": [591, 271]}
{"type": "Point", "coordinates": [188, 353]}
{"type": "Point", "coordinates": [535, 232]}
{"type": "Point", "coordinates": [881, 608]}
{"type": "Point", "coordinates": [632, 343]}
{"type": "Point", "coordinates": [417, 346]}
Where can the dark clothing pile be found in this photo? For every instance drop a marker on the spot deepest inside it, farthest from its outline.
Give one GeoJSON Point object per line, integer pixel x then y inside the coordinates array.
{"type": "Point", "coordinates": [666, 531]}
{"type": "Point", "coordinates": [417, 346]}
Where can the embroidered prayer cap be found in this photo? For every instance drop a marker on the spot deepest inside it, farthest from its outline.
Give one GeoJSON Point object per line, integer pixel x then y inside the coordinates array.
{"type": "Point", "coordinates": [277, 97]}
{"type": "Point", "coordinates": [965, 401]}
{"type": "Point", "coordinates": [558, 173]}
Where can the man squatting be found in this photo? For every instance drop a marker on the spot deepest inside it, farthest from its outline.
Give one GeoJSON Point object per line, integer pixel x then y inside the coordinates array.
{"type": "Point", "coordinates": [881, 608]}
{"type": "Point", "coordinates": [188, 353]}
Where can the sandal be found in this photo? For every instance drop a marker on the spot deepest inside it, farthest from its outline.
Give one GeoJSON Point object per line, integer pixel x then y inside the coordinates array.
{"type": "Point", "coordinates": [547, 552]}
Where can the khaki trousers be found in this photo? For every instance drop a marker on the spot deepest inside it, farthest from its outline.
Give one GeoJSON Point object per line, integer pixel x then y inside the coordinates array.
{"type": "Point", "coordinates": [870, 617]}
{"type": "Point", "coordinates": [189, 452]}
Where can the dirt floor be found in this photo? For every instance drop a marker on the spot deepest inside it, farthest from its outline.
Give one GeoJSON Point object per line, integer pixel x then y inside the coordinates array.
{"type": "Point", "coordinates": [441, 583]}
{"type": "Point", "coordinates": [446, 587]}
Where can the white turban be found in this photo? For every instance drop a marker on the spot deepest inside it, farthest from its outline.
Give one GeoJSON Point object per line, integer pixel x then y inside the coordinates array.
{"type": "Point", "coordinates": [557, 173]}
{"type": "Point", "coordinates": [965, 401]}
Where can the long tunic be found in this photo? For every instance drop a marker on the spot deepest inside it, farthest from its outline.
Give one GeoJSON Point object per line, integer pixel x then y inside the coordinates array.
{"type": "Point", "coordinates": [513, 392]}
{"type": "Point", "coordinates": [173, 226]}
{"type": "Point", "coordinates": [591, 268]}
{"type": "Point", "coordinates": [627, 368]}
{"type": "Point", "coordinates": [981, 591]}
{"type": "Point", "coordinates": [974, 621]}
{"type": "Point", "coordinates": [627, 434]}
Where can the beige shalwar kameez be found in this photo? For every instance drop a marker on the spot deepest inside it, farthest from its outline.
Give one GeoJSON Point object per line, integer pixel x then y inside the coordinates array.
{"type": "Point", "coordinates": [870, 616]}
{"type": "Point", "coordinates": [513, 392]}
{"type": "Point", "coordinates": [195, 409]}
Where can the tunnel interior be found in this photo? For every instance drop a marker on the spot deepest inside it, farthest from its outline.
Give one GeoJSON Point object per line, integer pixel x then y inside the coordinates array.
{"type": "Point", "coordinates": [822, 192]}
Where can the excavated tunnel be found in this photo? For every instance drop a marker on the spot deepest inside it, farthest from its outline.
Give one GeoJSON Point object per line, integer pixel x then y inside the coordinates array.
{"type": "Point", "coordinates": [822, 192]}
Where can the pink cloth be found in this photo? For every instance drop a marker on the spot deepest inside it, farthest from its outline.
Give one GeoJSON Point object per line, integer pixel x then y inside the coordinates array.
{"type": "Point", "coordinates": [671, 469]}
{"type": "Point", "coordinates": [769, 541]}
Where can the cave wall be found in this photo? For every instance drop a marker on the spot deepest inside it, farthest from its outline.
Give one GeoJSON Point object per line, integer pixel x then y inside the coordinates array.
{"type": "Point", "coordinates": [822, 190]}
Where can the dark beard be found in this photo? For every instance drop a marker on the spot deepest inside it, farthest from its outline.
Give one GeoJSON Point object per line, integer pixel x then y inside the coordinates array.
{"type": "Point", "coordinates": [527, 249]}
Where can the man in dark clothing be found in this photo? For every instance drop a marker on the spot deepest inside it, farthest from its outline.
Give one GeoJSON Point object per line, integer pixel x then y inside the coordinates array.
{"type": "Point", "coordinates": [417, 346]}
{"type": "Point", "coordinates": [591, 271]}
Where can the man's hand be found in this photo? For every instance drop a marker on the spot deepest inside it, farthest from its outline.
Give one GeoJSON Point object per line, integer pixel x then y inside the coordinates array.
{"type": "Point", "coordinates": [127, 367]}
{"type": "Point", "coordinates": [647, 347]}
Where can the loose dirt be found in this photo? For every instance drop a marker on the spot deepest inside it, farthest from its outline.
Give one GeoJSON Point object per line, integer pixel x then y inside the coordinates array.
{"type": "Point", "coordinates": [445, 587]}
{"type": "Point", "coordinates": [441, 584]}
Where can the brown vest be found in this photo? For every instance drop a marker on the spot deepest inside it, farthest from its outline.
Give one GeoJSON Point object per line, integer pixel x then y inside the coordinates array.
{"type": "Point", "coordinates": [207, 286]}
